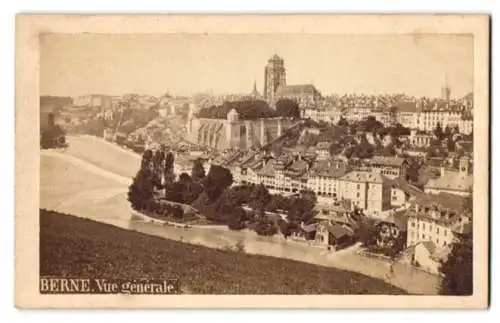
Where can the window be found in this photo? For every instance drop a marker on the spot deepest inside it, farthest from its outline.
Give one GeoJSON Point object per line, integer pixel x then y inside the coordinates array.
{"type": "Point", "coordinates": [423, 236]}
{"type": "Point", "coordinates": [437, 230]}
{"type": "Point", "coordinates": [357, 194]}
{"type": "Point", "coordinates": [357, 186]}
{"type": "Point", "coordinates": [437, 240]}
{"type": "Point", "coordinates": [413, 224]}
{"type": "Point", "coordinates": [445, 232]}
{"type": "Point", "coordinates": [430, 227]}
{"type": "Point", "coordinates": [423, 226]}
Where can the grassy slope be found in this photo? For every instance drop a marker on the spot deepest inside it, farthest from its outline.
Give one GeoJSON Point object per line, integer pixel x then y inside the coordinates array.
{"type": "Point", "coordinates": [71, 246]}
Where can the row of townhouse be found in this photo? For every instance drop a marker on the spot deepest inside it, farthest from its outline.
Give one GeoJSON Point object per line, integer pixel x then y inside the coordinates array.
{"type": "Point", "coordinates": [428, 120]}
{"type": "Point", "coordinates": [408, 115]}
{"type": "Point", "coordinates": [370, 189]}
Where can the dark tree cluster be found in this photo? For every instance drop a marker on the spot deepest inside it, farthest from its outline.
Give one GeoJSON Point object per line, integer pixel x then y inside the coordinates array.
{"type": "Point", "coordinates": [247, 110]}
{"type": "Point", "coordinates": [213, 196]}
{"type": "Point", "coordinates": [287, 108]}
{"type": "Point", "coordinates": [252, 109]}
{"type": "Point", "coordinates": [370, 124]}
{"type": "Point", "coordinates": [52, 136]}
{"type": "Point", "coordinates": [458, 268]}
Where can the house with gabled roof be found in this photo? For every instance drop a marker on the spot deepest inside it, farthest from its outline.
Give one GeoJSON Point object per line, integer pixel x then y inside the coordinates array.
{"type": "Point", "coordinates": [391, 167]}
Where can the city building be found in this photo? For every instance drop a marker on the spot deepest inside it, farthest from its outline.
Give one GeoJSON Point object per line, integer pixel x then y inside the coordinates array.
{"type": "Point", "coordinates": [433, 224]}
{"type": "Point", "coordinates": [94, 100]}
{"type": "Point", "coordinates": [369, 191]}
{"type": "Point", "coordinates": [403, 193]}
{"type": "Point", "coordinates": [233, 133]}
{"type": "Point", "coordinates": [306, 95]}
{"type": "Point", "coordinates": [453, 179]}
{"type": "Point", "coordinates": [323, 150]}
{"type": "Point", "coordinates": [419, 138]}
{"type": "Point", "coordinates": [391, 167]}
{"type": "Point", "coordinates": [441, 112]}
{"type": "Point", "coordinates": [323, 179]}
{"type": "Point", "coordinates": [436, 218]}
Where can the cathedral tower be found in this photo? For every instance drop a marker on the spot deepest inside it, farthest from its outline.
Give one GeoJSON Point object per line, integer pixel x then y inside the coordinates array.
{"type": "Point", "coordinates": [275, 76]}
{"type": "Point", "coordinates": [446, 90]}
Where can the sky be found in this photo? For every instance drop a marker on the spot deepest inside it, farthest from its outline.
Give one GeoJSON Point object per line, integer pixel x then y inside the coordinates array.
{"type": "Point", "coordinates": [185, 64]}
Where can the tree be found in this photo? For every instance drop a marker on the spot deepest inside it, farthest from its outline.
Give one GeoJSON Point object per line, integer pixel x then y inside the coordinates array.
{"type": "Point", "coordinates": [236, 220]}
{"type": "Point", "coordinates": [174, 192]}
{"type": "Point", "coordinates": [308, 199]}
{"type": "Point", "coordinates": [168, 170]}
{"type": "Point", "coordinates": [335, 148]}
{"type": "Point", "coordinates": [140, 191]}
{"type": "Point", "coordinates": [198, 172]}
{"type": "Point", "coordinates": [201, 202]}
{"type": "Point", "coordinates": [288, 108]}
{"type": "Point", "coordinates": [147, 158]}
{"type": "Point", "coordinates": [467, 204]}
{"type": "Point", "coordinates": [278, 203]}
{"type": "Point", "coordinates": [158, 158]}
{"type": "Point", "coordinates": [450, 144]}
{"type": "Point", "coordinates": [412, 174]}
{"type": "Point", "coordinates": [265, 227]}
{"type": "Point", "coordinates": [457, 268]}
{"type": "Point", "coordinates": [438, 131]}
{"type": "Point", "coordinates": [371, 125]}
{"type": "Point", "coordinates": [342, 122]}
{"type": "Point", "coordinates": [388, 151]}
{"type": "Point", "coordinates": [185, 178]}
{"type": "Point", "coordinates": [50, 120]}
{"type": "Point", "coordinates": [216, 181]}
{"type": "Point", "coordinates": [284, 228]}
{"type": "Point", "coordinates": [260, 197]}
{"type": "Point", "coordinates": [177, 211]}
{"type": "Point", "coordinates": [447, 131]}
{"type": "Point", "coordinates": [367, 232]}
{"type": "Point", "coordinates": [52, 136]}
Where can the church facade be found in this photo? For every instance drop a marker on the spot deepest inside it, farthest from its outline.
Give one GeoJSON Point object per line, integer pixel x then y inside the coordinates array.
{"type": "Point", "coordinates": [233, 133]}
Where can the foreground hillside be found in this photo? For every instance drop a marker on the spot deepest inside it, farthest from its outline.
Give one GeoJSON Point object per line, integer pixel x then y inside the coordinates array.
{"type": "Point", "coordinates": [70, 246]}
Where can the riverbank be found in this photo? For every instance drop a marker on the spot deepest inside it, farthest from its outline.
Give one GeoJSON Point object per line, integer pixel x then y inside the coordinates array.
{"type": "Point", "coordinates": [75, 247]}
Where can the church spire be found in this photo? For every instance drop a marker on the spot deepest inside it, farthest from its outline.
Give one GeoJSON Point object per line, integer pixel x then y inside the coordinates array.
{"type": "Point", "coordinates": [255, 93]}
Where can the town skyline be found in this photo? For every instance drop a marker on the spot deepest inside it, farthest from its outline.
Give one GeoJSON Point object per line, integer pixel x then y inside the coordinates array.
{"type": "Point", "coordinates": [116, 64]}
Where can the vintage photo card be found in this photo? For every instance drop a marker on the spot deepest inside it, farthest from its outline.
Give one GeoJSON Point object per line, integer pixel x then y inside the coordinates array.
{"type": "Point", "coordinates": [246, 161]}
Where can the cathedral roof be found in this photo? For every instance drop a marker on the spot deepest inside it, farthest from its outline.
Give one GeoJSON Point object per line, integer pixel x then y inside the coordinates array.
{"type": "Point", "coordinates": [298, 89]}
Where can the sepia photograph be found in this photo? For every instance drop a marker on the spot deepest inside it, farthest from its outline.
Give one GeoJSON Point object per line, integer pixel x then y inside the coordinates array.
{"type": "Point", "coordinates": [257, 163]}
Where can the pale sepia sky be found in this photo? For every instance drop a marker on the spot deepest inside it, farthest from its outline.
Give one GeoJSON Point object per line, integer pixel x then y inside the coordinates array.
{"type": "Point", "coordinates": [185, 64]}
